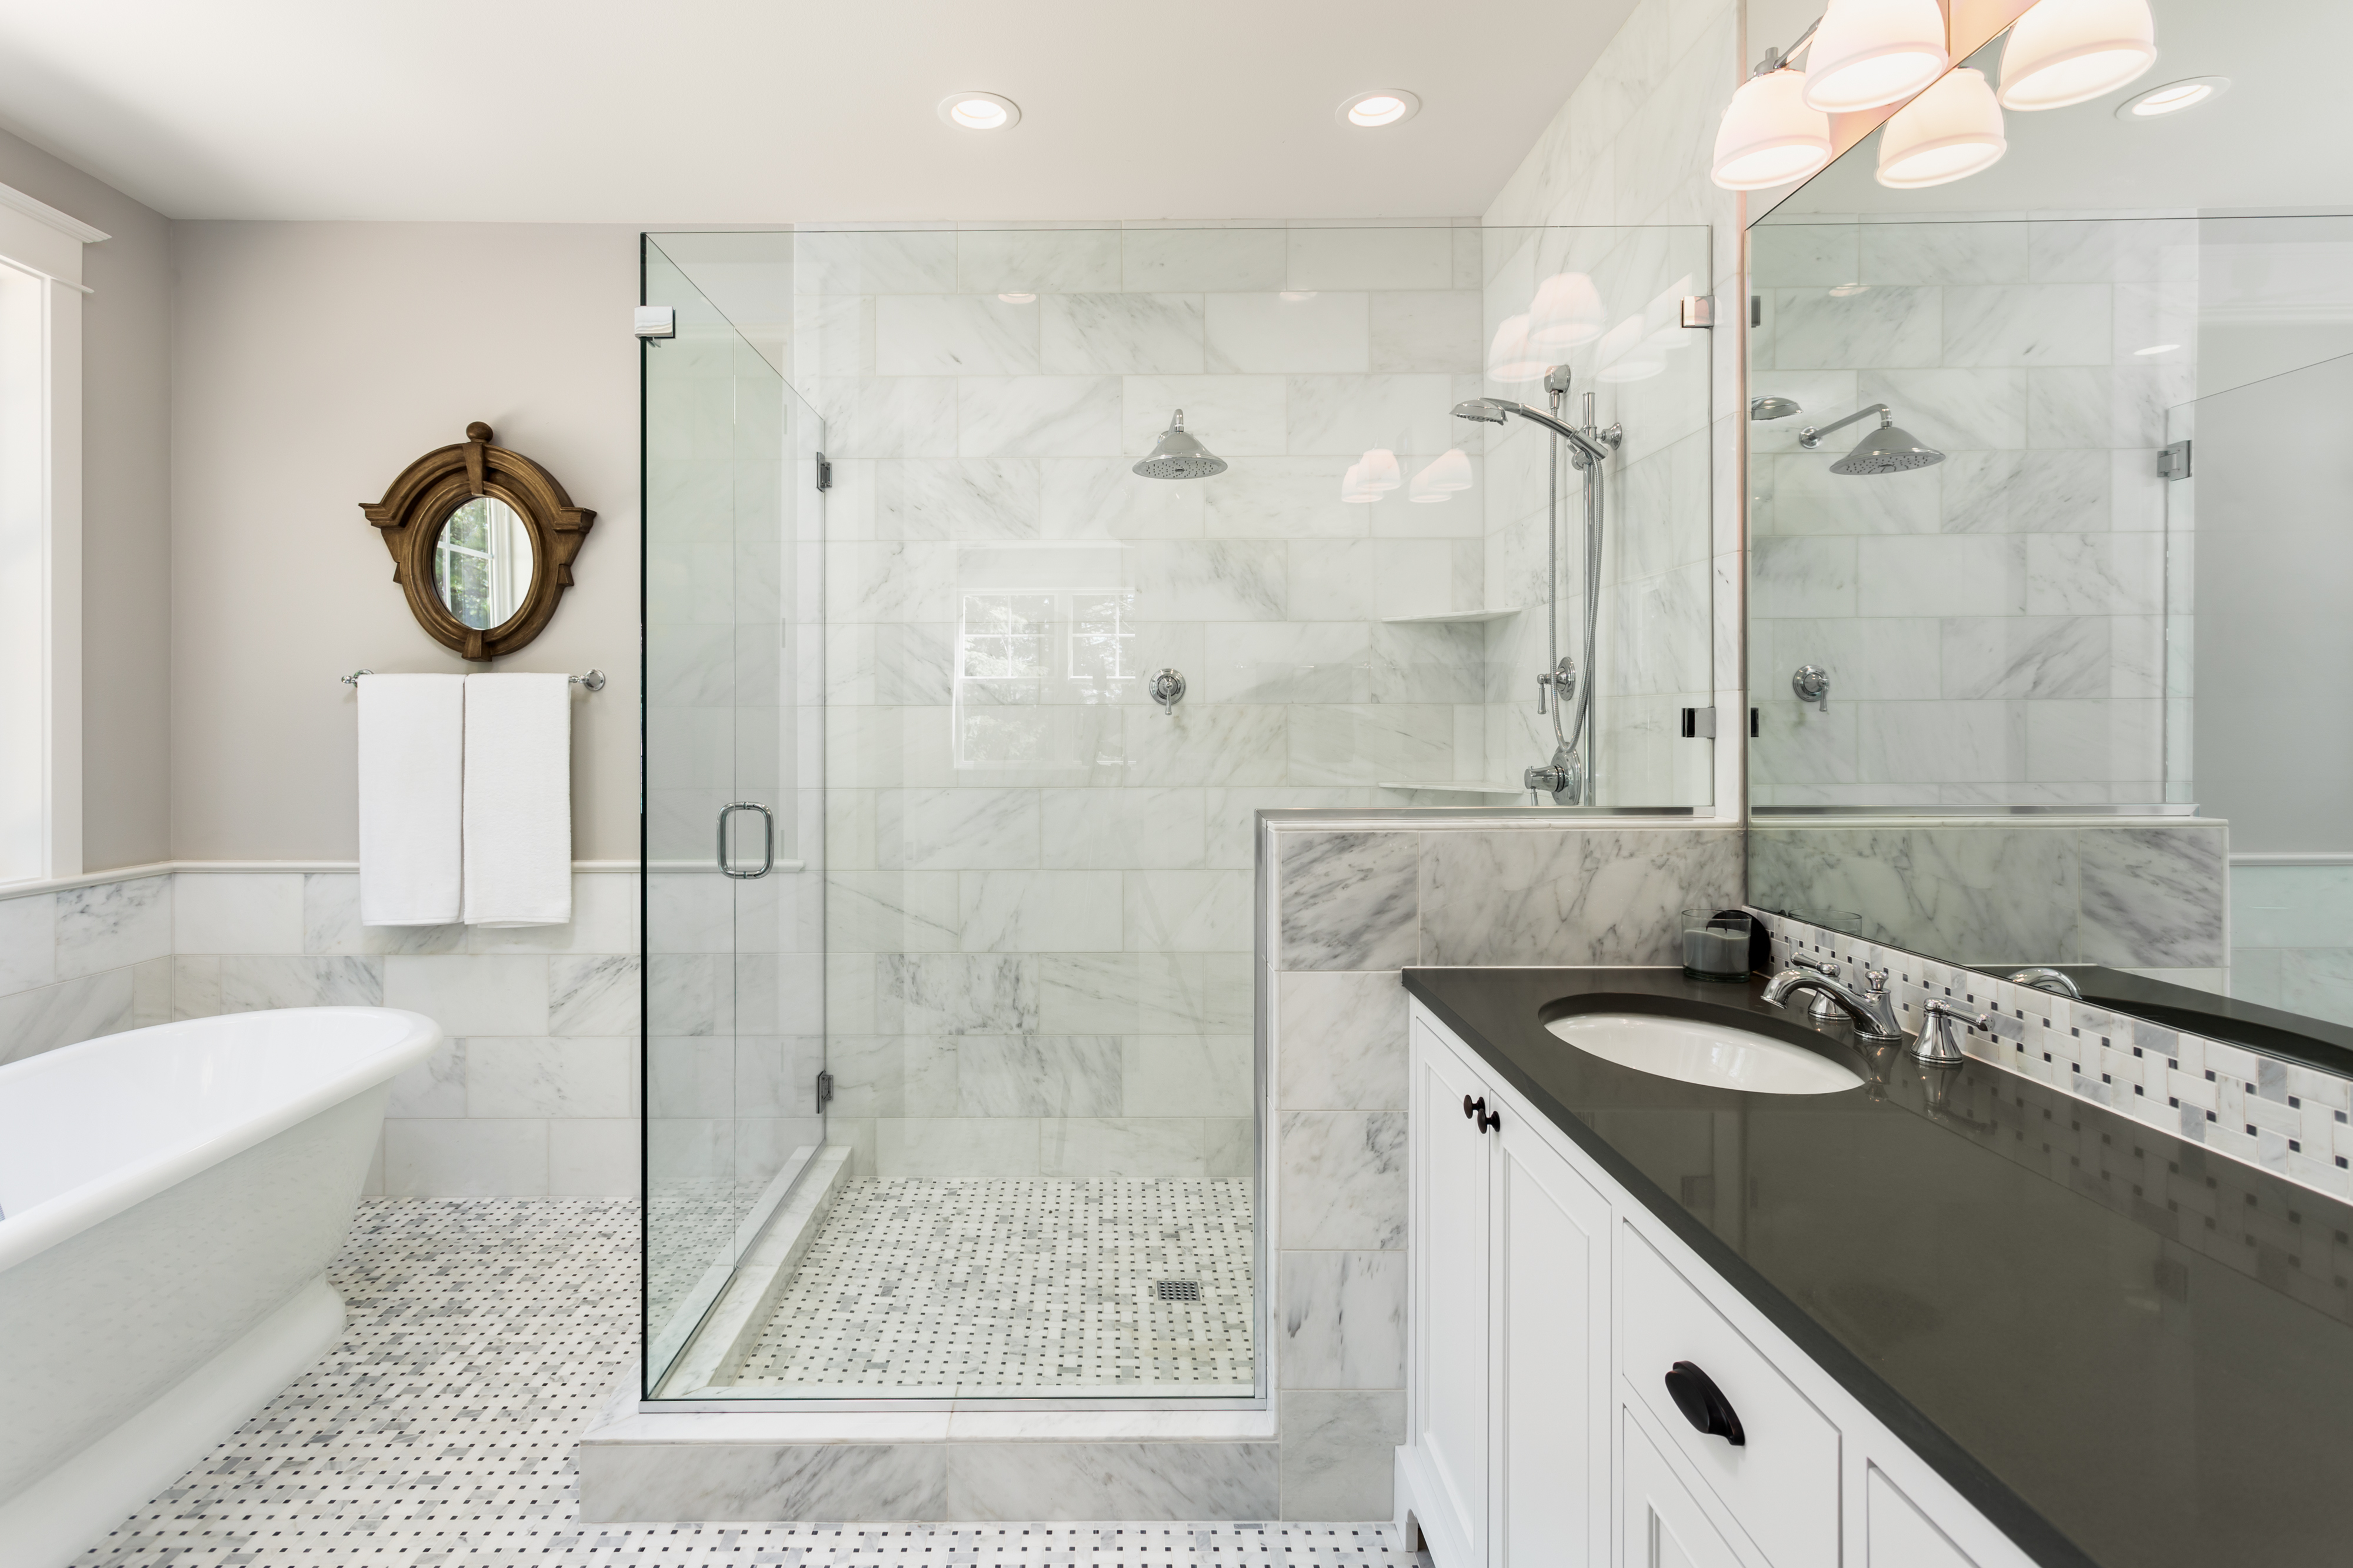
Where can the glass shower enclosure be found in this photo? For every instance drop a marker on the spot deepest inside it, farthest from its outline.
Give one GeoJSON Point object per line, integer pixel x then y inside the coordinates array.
{"type": "Point", "coordinates": [965, 1097]}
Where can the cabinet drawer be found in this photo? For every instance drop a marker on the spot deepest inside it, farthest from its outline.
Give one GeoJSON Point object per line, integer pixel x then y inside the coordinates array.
{"type": "Point", "coordinates": [1782, 1482]}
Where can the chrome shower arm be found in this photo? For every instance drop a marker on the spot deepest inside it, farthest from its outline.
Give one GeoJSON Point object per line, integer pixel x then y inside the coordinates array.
{"type": "Point", "coordinates": [1811, 435]}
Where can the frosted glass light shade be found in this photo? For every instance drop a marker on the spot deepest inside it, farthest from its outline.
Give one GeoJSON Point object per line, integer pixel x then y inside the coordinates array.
{"type": "Point", "coordinates": [1629, 354]}
{"type": "Point", "coordinates": [1569, 311]}
{"type": "Point", "coordinates": [1380, 470]}
{"type": "Point", "coordinates": [1444, 476]}
{"type": "Point", "coordinates": [1947, 133]}
{"type": "Point", "coordinates": [1870, 52]}
{"type": "Point", "coordinates": [1510, 358]}
{"type": "Point", "coordinates": [1770, 135]}
{"type": "Point", "coordinates": [2065, 51]}
{"type": "Point", "coordinates": [1353, 488]}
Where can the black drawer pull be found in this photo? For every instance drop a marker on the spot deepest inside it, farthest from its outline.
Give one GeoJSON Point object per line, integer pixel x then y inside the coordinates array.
{"type": "Point", "coordinates": [1704, 1405]}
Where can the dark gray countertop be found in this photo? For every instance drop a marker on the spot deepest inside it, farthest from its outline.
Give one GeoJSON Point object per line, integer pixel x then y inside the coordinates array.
{"type": "Point", "coordinates": [2109, 1341]}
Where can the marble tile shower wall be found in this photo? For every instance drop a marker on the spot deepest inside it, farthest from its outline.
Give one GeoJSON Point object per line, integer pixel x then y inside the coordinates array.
{"type": "Point", "coordinates": [2148, 895]}
{"type": "Point", "coordinates": [1631, 147]}
{"type": "Point", "coordinates": [1352, 907]}
{"type": "Point", "coordinates": [1039, 924]}
{"type": "Point", "coordinates": [535, 1094]}
{"type": "Point", "coordinates": [2287, 1118]}
{"type": "Point", "coordinates": [2291, 937]}
{"type": "Point", "coordinates": [1994, 626]}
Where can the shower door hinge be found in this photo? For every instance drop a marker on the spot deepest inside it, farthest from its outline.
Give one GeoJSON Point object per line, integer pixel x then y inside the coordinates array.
{"type": "Point", "coordinates": [824, 473]}
{"type": "Point", "coordinates": [824, 1090]}
{"type": "Point", "coordinates": [2173, 462]}
{"type": "Point", "coordinates": [1752, 723]}
{"type": "Point", "coordinates": [657, 321]}
{"type": "Point", "coordinates": [1699, 310]}
{"type": "Point", "coordinates": [1699, 723]}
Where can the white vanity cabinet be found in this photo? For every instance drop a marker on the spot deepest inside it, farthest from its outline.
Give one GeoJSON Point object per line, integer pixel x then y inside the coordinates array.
{"type": "Point", "coordinates": [1548, 1306]}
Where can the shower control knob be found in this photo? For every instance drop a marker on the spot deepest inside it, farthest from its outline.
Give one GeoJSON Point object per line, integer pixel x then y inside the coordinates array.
{"type": "Point", "coordinates": [1812, 684]}
{"type": "Point", "coordinates": [1168, 688]}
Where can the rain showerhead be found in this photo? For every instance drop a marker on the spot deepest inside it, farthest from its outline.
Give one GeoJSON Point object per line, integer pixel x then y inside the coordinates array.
{"type": "Point", "coordinates": [1180, 456]}
{"type": "Point", "coordinates": [1890, 450]}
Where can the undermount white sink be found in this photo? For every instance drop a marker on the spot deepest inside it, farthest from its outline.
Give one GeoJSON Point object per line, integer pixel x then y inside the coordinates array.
{"type": "Point", "coordinates": [1713, 1054]}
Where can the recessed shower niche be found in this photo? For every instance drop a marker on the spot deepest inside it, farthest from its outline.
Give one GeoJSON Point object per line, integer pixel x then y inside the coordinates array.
{"type": "Point", "coordinates": [955, 1087]}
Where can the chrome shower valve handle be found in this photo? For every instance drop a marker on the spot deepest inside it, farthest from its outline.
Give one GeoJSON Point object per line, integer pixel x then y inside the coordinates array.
{"type": "Point", "coordinates": [1811, 682]}
{"type": "Point", "coordinates": [1168, 688]}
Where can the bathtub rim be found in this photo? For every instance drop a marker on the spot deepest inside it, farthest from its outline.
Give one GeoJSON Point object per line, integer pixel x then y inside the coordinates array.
{"type": "Point", "coordinates": [44, 1224]}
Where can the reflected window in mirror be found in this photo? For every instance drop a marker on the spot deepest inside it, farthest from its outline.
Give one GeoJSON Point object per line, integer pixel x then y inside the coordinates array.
{"type": "Point", "coordinates": [481, 562]}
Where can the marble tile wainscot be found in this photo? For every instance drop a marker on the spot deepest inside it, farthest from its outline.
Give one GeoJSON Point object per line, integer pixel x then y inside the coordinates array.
{"type": "Point", "coordinates": [535, 1095]}
{"type": "Point", "coordinates": [2284, 1118]}
{"type": "Point", "coordinates": [1348, 899]}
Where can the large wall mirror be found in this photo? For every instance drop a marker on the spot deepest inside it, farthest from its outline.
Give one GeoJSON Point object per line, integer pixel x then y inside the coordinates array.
{"type": "Point", "coordinates": [2051, 506]}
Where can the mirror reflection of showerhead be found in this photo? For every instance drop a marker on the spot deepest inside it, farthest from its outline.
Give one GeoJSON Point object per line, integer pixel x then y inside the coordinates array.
{"type": "Point", "coordinates": [1180, 456]}
{"type": "Point", "coordinates": [1890, 450]}
{"type": "Point", "coordinates": [1773, 407]}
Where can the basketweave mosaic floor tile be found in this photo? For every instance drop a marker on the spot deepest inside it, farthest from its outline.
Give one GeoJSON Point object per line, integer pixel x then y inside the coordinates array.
{"type": "Point", "coordinates": [1019, 1283]}
{"type": "Point", "coordinates": [440, 1433]}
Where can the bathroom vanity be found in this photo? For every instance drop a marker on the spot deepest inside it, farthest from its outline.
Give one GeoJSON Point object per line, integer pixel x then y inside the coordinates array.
{"type": "Point", "coordinates": [1660, 1322]}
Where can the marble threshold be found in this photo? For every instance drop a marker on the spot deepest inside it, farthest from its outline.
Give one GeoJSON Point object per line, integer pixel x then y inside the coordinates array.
{"type": "Point", "coordinates": [31, 886]}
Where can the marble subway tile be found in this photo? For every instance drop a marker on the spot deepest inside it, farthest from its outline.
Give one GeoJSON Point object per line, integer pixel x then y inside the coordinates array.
{"type": "Point", "coordinates": [550, 1076]}
{"type": "Point", "coordinates": [1341, 1041]}
{"type": "Point", "coordinates": [1039, 1075]}
{"type": "Point", "coordinates": [1121, 334]}
{"type": "Point", "coordinates": [1037, 416]}
{"type": "Point", "coordinates": [1425, 330]}
{"type": "Point", "coordinates": [1212, 580]}
{"type": "Point", "coordinates": [1816, 329]}
{"type": "Point", "coordinates": [29, 942]}
{"type": "Point", "coordinates": [1040, 911]}
{"type": "Point", "coordinates": [1145, 993]}
{"type": "Point", "coordinates": [1299, 332]}
{"type": "Point", "coordinates": [66, 1013]}
{"type": "Point", "coordinates": [2028, 323]}
{"type": "Point", "coordinates": [955, 334]}
{"type": "Point", "coordinates": [957, 497]}
{"type": "Point", "coordinates": [1187, 1075]}
{"type": "Point", "coordinates": [1182, 911]}
{"type": "Point", "coordinates": [957, 1146]}
{"type": "Point", "coordinates": [593, 1157]}
{"type": "Point", "coordinates": [1037, 260]}
{"type": "Point", "coordinates": [1138, 827]}
{"type": "Point", "coordinates": [2025, 656]}
{"type": "Point", "coordinates": [1604, 896]}
{"type": "Point", "coordinates": [1234, 416]}
{"type": "Point", "coordinates": [1238, 743]}
{"type": "Point", "coordinates": [435, 1086]}
{"type": "Point", "coordinates": [1341, 1316]}
{"type": "Point", "coordinates": [1135, 1147]}
{"type": "Point", "coordinates": [471, 996]}
{"type": "Point", "coordinates": [1409, 257]}
{"type": "Point", "coordinates": [1338, 1452]}
{"type": "Point", "coordinates": [961, 994]}
{"type": "Point", "coordinates": [258, 984]}
{"type": "Point", "coordinates": [1344, 414]}
{"type": "Point", "coordinates": [1349, 901]}
{"type": "Point", "coordinates": [1343, 1181]}
{"type": "Point", "coordinates": [1100, 497]}
{"type": "Point", "coordinates": [1197, 260]}
{"type": "Point", "coordinates": [466, 1158]}
{"type": "Point", "coordinates": [112, 924]}
{"type": "Point", "coordinates": [2153, 898]}
{"type": "Point", "coordinates": [237, 913]}
{"type": "Point", "coordinates": [1941, 253]}
{"type": "Point", "coordinates": [956, 829]}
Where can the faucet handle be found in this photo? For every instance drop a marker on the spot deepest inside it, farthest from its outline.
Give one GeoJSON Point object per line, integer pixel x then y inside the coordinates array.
{"type": "Point", "coordinates": [1874, 982]}
{"type": "Point", "coordinates": [1937, 1043]}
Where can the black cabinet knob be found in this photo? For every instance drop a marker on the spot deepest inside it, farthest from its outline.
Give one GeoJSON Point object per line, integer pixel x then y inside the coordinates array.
{"type": "Point", "coordinates": [1704, 1405]}
{"type": "Point", "coordinates": [1489, 1121]}
{"type": "Point", "coordinates": [1471, 1108]}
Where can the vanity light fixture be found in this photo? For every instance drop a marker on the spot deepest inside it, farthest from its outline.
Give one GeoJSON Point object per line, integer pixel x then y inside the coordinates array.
{"type": "Point", "coordinates": [1867, 52]}
{"type": "Point", "coordinates": [1446, 474]}
{"type": "Point", "coordinates": [1948, 132]}
{"type": "Point", "coordinates": [1353, 488]}
{"type": "Point", "coordinates": [2173, 97]}
{"type": "Point", "coordinates": [979, 111]}
{"type": "Point", "coordinates": [1769, 134]}
{"type": "Point", "coordinates": [2067, 51]}
{"type": "Point", "coordinates": [1567, 312]}
{"type": "Point", "coordinates": [1510, 359]}
{"type": "Point", "coordinates": [1382, 106]}
{"type": "Point", "coordinates": [1380, 472]}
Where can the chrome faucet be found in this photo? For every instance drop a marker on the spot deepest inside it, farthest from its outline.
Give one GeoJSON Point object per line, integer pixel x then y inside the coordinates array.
{"type": "Point", "coordinates": [1936, 1043]}
{"type": "Point", "coordinates": [2041, 978]}
{"type": "Point", "coordinates": [1871, 1008]}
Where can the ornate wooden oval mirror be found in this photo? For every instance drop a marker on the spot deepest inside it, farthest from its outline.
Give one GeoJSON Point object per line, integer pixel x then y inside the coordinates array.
{"type": "Point", "coordinates": [482, 541]}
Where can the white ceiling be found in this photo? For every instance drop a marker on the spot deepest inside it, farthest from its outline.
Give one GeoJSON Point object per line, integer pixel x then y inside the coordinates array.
{"type": "Point", "coordinates": [2276, 140]}
{"type": "Point", "coordinates": [751, 111]}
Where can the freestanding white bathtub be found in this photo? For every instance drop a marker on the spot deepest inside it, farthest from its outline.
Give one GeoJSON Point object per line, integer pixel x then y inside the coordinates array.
{"type": "Point", "coordinates": [169, 1200]}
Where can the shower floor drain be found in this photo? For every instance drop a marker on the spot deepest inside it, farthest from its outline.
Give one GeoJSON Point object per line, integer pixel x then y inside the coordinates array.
{"type": "Point", "coordinates": [1177, 1289]}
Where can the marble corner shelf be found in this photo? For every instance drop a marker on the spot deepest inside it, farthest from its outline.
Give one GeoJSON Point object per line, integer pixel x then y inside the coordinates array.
{"type": "Point", "coordinates": [1459, 786]}
{"type": "Point", "coordinates": [1451, 618]}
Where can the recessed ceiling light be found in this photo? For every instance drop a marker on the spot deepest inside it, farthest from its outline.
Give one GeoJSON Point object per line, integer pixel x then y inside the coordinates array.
{"type": "Point", "coordinates": [2155, 349]}
{"type": "Point", "coordinates": [2173, 95]}
{"type": "Point", "coordinates": [1383, 106]}
{"type": "Point", "coordinates": [979, 111]}
{"type": "Point", "coordinates": [1018, 299]}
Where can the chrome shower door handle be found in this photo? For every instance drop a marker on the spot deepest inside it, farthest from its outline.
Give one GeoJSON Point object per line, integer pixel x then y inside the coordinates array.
{"type": "Point", "coordinates": [767, 839]}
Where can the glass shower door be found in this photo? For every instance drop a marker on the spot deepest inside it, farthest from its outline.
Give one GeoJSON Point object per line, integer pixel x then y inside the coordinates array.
{"type": "Point", "coordinates": [734, 908]}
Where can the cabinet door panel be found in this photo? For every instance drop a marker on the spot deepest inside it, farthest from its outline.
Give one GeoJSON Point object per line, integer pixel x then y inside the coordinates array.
{"type": "Point", "coordinates": [1552, 1366]}
{"type": "Point", "coordinates": [1664, 1526]}
{"type": "Point", "coordinates": [1451, 1246]}
{"type": "Point", "coordinates": [1899, 1535]}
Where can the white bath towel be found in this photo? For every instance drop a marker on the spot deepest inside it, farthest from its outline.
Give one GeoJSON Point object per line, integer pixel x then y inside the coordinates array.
{"type": "Point", "coordinates": [517, 800]}
{"type": "Point", "coordinates": [412, 763]}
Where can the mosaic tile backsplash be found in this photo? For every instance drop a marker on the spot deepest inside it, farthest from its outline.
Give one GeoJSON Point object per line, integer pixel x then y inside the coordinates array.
{"type": "Point", "coordinates": [2281, 1117]}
